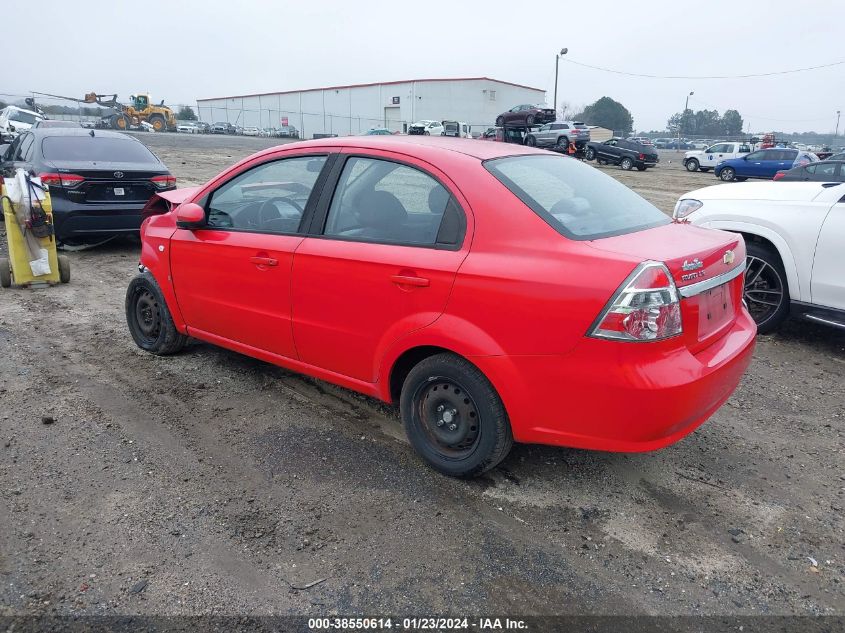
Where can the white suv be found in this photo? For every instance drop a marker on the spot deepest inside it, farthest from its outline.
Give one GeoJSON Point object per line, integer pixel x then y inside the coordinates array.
{"type": "Point", "coordinates": [427, 128]}
{"type": "Point", "coordinates": [14, 120]}
{"type": "Point", "coordinates": [707, 159]}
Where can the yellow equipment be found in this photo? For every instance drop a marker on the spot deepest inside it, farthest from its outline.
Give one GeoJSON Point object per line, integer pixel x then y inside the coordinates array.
{"type": "Point", "coordinates": [15, 268]}
{"type": "Point", "coordinates": [140, 109]}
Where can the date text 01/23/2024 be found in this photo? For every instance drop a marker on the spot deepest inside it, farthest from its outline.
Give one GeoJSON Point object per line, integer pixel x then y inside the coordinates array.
{"type": "Point", "coordinates": [414, 624]}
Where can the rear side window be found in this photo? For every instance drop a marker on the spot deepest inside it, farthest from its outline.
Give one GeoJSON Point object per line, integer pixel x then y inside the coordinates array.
{"type": "Point", "coordinates": [578, 201]}
{"type": "Point", "coordinates": [382, 201]}
{"type": "Point", "coordinates": [89, 148]}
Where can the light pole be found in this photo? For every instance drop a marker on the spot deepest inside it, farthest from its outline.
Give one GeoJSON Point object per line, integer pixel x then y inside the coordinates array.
{"type": "Point", "coordinates": [563, 51]}
{"type": "Point", "coordinates": [835, 134]}
{"type": "Point", "coordinates": [683, 115]}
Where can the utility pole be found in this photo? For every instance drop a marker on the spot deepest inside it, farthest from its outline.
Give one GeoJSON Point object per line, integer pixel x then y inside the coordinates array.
{"type": "Point", "coordinates": [683, 115]}
{"type": "Point", "coordinates": [563, 51]}
{"type": "Point", "coordinates": [835, 134]}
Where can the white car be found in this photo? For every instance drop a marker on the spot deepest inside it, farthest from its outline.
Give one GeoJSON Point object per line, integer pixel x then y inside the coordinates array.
{"type": "Point", "coordinates": [795, 239]}
{"type": "Point", "coordinates": [187, 128]}
{"type": "Point", "coordinates": [14, 120]}
{"type": "Point", "coordinates": [251, 131]}
{"type": "Point", "coordinates": [698, 144]}
{"type": "Point", "coordinates": [707, 159]}
{"type": "Point", "coordinates": [426, 127]}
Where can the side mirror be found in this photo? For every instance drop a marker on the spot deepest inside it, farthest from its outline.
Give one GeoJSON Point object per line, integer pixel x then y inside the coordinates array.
{"type": "Point", "coordinates": [190, 216]}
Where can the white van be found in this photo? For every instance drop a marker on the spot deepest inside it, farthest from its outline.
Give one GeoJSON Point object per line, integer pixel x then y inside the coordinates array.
{"type": "Point", "coordinates": [458, 129]}
{"type": "Point", "coordinates": [707, 159]}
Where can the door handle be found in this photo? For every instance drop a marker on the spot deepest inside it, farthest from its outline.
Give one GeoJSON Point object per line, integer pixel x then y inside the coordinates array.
{"type": "Point", "coordinates": [264, 261]}
{"type": "Point", "coordinates": [405, 280]}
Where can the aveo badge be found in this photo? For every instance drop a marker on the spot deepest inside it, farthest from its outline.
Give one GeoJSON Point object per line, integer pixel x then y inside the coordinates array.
{"type": "Point", "coordinates": [689, 267]}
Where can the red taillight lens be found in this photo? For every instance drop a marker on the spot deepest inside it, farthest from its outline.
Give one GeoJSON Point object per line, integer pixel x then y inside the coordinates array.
{"type": "Point", "coordinates": [646, 308]}
{"type": "Point", "coordinates": [68, 181]}
{"type": "Point", "coordinates": [642, 156]}
{"type": "Point", "coordinates": [163, 182]}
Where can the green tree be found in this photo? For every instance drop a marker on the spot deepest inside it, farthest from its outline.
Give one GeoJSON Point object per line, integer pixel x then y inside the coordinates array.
{"type": "Point", "coordinates": [186, 113]}
{"type": "Point", "coordinates": [610, 114]}
{"type": "Point", "coordinates": [732, 123]}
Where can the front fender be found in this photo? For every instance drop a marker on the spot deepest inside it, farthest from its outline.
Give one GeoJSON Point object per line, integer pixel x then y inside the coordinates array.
{"type": "Point", "coordinates": [793, 279]}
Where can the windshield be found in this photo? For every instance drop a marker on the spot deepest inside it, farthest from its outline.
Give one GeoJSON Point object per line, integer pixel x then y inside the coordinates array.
{"type": "Point", "coordinates": [578, 201]}
{"type": "Point", "coordinates": [23, 117]}
{"type": "Point", "coordinates": [96, 149]}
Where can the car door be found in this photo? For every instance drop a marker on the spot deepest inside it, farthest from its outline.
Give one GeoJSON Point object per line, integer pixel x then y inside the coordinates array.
{"type": "Point", "coordinates": [543, 135]}
{"type": "Point", "coordinates": [607, 149]}
{"type": "Point", "coordinates": [388, 240]}
{"type": "Point", "coordinates": [827, 286]}
{"type": "Point", "coordinates": [824, 172]}
{"type": "Point", "coordinates": [20, 154]}
{"type": "Point", "coordinates": [754, 164]}
{"type": "Point", "coordinates": [232, 276]}
{"type": "Point", "coordinates": [715, 154]}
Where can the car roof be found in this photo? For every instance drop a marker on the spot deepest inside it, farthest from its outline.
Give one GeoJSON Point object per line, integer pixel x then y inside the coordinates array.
{"type": "Point", "coordinates": [43, 132]}
{"type": "Point", "coordinates": [425, 147]}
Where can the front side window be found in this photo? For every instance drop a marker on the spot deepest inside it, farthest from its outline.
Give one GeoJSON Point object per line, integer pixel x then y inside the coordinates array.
{"type": "Point", "coordinates": [719, 149]}
{"type": "Point", "coordinates": [578, 201]}
{"type": "Point", "coordinates": [757, 155]}
{"type": "Point", "coordinates": [269, 198]}
{"type": "Point", "coordinates": [382, 201]}
{"type": "Point", "coordinates": [611, 142]}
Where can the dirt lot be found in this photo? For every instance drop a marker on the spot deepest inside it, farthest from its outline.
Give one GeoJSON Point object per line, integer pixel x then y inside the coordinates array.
{"type": "Point", "coordinates": [212, 483]}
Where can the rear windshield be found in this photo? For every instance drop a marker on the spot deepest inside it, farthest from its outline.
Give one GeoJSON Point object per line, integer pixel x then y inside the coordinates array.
{"type": "Point", "coordinates": [96, 149]}
{"type": "Point", "coordinates": [577, 200]}
{"type": "Point", "coordinates": [580, 126]}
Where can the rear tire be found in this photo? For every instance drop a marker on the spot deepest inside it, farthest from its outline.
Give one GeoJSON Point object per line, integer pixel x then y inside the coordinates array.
{"type": "Point", "coordinates": [5, 273]}
{"type": "Point", "coordinates": [765, 281]}
{"type": "Point", "coordinates": [591, 154]}
{"type": "Point", "coordinates": [149, 319]}
{"type": "Point", "coordinates": [627, 164]}
{"type": "Point", "coordinates": [530, 141]}
{"type": "Point", "coordinates": [529, 120]}
{"type": "Point", "coordinates": [64, 269]}
{"type": "Point", "coordinates": [453, 416]}
{"type": "Point", "coordinates": [727, 174]}
{"type": "Point", "coordinates": [692, 165]}
{"type": "Point", "coordinates": [120, 122]}
{"type": "Point", "coordinates": [562, 144]}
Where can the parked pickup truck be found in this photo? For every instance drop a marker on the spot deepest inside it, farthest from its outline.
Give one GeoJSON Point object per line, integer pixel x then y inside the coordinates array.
{"type": "Point", "coordinates": [707, 159]}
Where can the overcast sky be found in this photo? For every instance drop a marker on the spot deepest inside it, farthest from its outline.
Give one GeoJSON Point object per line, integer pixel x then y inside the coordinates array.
{"type": "Point", "coordinates": [181, 50]}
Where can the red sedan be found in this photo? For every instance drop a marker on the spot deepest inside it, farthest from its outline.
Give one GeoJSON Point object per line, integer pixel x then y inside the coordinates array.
{"type": "Point", "coordinates": [496, 293]}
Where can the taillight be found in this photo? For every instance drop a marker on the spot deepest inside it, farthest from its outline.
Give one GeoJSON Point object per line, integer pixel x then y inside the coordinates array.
{"type": "Point", "coordinates": [642, 156]}
{"type": "Point", "coordinates": [778, 176]}
{"type": "Point", "coordinates": [163, 182]}
{"type": "Point", "coordinates": [646, 308]}
{"type": "Point", "coordinates": [68, 181]}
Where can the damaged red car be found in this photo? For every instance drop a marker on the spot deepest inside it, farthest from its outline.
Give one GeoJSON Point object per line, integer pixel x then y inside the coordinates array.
{"type": "Point", "coordinates": [496, 293]}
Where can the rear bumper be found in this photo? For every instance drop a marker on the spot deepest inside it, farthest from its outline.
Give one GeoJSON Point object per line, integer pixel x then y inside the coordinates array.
{"type": "Point", "coordinates": [75, 221]}
{"type": "Point", "coordinates": [621, 397]}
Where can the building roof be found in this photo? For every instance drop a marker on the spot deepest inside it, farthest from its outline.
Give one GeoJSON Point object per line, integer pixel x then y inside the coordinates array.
{"type": "Point", "coordinates": [377, 83]}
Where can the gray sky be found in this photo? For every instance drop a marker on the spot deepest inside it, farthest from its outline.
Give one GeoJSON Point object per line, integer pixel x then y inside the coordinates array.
{"type": "Point", "coordinates": [181, 50]}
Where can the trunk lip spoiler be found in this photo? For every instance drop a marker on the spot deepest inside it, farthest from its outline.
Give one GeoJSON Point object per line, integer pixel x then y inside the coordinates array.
{"type": "Point", "coordinates": [708, 284]}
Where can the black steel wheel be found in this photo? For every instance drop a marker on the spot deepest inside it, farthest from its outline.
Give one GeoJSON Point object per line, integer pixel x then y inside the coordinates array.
{"type": "Point", "coordinates": [149, 319]}
{"type": "Point", "coordinates": [765, 289]}
{"type": "Point", "coordinates": [453, 416]}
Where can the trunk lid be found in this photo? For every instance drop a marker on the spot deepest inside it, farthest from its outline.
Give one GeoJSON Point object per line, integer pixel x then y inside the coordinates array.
{"type": "Point", "coordinates": [698, 260]}
{"type": "Point", "coordinates": [121, 182]}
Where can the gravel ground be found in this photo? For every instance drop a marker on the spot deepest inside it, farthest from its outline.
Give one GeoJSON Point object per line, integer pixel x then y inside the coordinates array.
{"type": "Point", "coordinates": [212, 483]}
